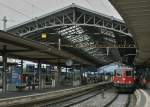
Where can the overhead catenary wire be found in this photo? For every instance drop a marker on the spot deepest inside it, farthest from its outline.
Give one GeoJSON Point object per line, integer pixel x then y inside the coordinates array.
{"type": "Point", "coordinates": [90, 4]}
{"type": "Point", "coordinates": [33, 5]}
{"type": "Point", "coordinates": [15, 10]}
{"type": "Point", "coordinates": [105, 6]}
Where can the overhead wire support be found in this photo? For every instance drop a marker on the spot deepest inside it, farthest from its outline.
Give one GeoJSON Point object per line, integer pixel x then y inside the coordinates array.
{"type": "Point", "coordinates": [4, 22]}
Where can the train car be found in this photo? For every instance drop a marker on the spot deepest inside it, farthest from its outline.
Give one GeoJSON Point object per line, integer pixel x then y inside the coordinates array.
{"type": "Point", "coordinates": [124, 79]}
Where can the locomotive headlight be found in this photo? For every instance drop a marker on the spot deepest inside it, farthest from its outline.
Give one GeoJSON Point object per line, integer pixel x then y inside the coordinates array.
{"type": "Point", "coordinates": [123, 79]}
{"type": "Point", "coordinates": [130, 82]}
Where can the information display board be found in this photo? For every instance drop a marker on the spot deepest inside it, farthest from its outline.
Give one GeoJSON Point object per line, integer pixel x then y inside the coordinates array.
{"type": "Point", "coordinates": [16, 75]}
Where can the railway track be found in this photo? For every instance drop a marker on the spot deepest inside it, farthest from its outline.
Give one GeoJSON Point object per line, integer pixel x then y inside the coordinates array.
{"type": "Point", "coordinates": [120, 100]}
{"type": "Point", "coordinates": [74, 99]}
{"type": "Point", "coordinates": [110, 99]}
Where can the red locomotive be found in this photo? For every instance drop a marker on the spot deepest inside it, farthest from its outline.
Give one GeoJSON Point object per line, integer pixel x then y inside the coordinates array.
{"type": "Point", "coordinates": [124, 79]}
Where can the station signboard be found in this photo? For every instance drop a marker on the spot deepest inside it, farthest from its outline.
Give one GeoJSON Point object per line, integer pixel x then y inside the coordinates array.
{"type": "Point", "coordinates": [16, 75]}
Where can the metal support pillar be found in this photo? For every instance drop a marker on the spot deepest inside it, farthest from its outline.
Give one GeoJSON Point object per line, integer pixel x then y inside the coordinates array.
{"type": "Point", "coordinates": [66, 73]}
{"type": "Point", "coordinates": [81, 75]}
{"type": "Point", "coordinates": [73, 74]}
{"type": "Point", "coordinates": [21, 68]}
{"type": "Point", "coordinates": [74, 14]}
{"type": "Point", "coordinates": [4, 72]}
{"type": "Point", "coordinates": [39, 71]}
{"type": "Point", "coordinates": [59, 76]}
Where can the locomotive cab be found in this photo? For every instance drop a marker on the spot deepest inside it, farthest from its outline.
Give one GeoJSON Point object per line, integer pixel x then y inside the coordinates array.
{"type": "Point", "coordinates": [124, 78]}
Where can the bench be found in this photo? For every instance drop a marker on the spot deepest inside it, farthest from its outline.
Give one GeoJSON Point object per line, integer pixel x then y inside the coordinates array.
{"type": "Point", "coordinates": [21, 87]}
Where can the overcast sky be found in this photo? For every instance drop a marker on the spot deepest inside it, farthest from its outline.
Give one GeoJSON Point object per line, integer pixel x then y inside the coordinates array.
{"type": "Point", "coordinates": [18, 11]}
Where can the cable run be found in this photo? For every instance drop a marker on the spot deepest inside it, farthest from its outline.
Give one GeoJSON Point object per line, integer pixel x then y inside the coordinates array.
{"type": "Point", "coordinates": [90, 4]}
{"type": "Point", "coordinates": [106, 8]}
{"type": "Point", "coordinates": [33, 5]}
{"type": "Point", "coordinates": [2, 4]}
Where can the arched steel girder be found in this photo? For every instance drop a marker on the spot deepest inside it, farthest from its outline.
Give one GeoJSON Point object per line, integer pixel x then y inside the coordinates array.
{"type": "Point", "coordinates": [25, 31]}
{"type": "Point", "coordinates": [70, 16]}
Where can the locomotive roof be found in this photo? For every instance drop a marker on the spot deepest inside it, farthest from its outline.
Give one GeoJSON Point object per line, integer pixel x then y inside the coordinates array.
{"type": "Point", "coordinates": [125, 68]}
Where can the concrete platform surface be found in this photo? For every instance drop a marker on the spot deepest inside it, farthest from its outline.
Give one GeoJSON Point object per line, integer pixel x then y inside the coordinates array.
{"type": "Point", "coordinates": [143, 98]}
{"type": "Point", "coordinates": [146, 93]}
{"type": "Point", "coordinates": [31, 92]}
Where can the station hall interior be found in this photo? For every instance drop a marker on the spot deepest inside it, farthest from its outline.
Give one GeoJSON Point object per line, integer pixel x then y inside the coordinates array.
{"type": "Point", "coordinates": [66, 52]}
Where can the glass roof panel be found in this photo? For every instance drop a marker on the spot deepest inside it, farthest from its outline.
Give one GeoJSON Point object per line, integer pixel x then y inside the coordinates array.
{"type": "Point", "coordinates": [80, 39]}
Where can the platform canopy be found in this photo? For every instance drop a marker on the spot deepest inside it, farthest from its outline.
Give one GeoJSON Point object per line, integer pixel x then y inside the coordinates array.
{"type": "Point", "coordinates": [136, 14]}
{"type": "Point", "coordinates": [90, 35]}
{"type": "Point", "coordinates": [23, 48]}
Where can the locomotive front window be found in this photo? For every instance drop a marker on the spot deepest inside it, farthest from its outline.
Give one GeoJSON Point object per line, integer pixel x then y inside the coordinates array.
{"type": "Point", "coordinates": [128, 73]}
{"type": "Point", "coordinates": [118, 72]}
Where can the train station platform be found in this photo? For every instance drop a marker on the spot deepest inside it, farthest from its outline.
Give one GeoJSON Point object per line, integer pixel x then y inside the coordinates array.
{"type": "Point", "coordinates": [38, 96]}
{"type": "Point", "coordinates": [31, 92]}
{"type": "Point", "coordinates": [147, 95]}
{"type": "Point", "coordinates": [143, 97]}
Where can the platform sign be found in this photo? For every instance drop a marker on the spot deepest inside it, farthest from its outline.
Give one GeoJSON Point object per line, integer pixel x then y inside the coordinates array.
{"type": "Point", "coordinates": [44, 36]}
{"type": "Point", "coordinates": [16, 75]}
